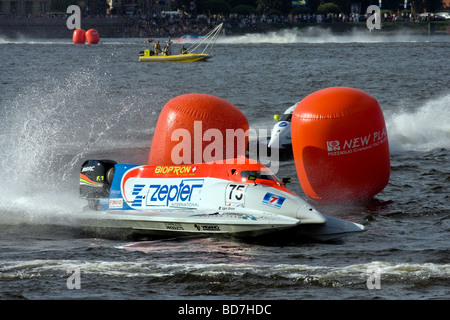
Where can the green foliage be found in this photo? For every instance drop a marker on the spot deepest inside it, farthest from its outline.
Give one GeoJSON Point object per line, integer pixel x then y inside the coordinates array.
{"type": "Point", "coordinates": [274, 12]}
{"type": "Point", "coordinates": [268, 6]}
{"type": "Point", "coordinates": [301, 10]}
{"type": "Point", "coordinates": [243, 9]}
{"type": "Point", "coordinates": [218, 7]}
{"type": "Point", "coordinates": [328, 7]}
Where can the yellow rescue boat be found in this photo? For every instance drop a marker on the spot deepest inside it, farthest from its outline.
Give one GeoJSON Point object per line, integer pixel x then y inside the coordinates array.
{"type": "Point", "coordinates": [188, 57]}
{"type": "Point", "coordinates": [191, 54]}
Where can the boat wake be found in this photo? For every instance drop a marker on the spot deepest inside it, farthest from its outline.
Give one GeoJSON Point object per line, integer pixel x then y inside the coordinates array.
{"type": "Point", "coordinates": [423, 129]}
{"type": "Point", "coordinates": [22, 39]}
{"type": "Point", "coordinates": [48, 133]}
{"type": "Point", "coordinates": [319, 35]}
{"type": "Point", "coordinates": [227, 270]}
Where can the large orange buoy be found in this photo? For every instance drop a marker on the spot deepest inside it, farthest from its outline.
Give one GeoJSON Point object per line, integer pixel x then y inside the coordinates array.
{"type": "Point", "coordinates": [79, 36]}
{"type": "Point", "coordinates": [195, 128]}
{"type": "Point", "coordinates": [340, 145]}
{"type": "Point", "coordinates": [92, 36]}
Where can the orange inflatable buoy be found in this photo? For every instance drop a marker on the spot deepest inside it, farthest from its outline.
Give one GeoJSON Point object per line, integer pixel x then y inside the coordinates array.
{"type": "Point", "coordinates": [79, 36]}
{"type": "Point", "coordinates": [92, 36]}
{"type": "Point", "coordinates": [340, 145]}
{"type": "Point", "coordinates": [195, 128]}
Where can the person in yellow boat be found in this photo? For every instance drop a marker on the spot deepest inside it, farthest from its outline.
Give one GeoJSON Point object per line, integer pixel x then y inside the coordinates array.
{"type": "Point", "coordinates": [157, 48]}
{"type": "Point", "coordinates": [183, 50]}
{"type": "Point", "coordinates": [166, 51]}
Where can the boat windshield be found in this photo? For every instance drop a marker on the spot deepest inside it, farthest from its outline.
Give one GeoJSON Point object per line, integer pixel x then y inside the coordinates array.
{"type": "Point", "coordinates": [286, 117]}
{"type": "Point", "coordinates": [266, 175]}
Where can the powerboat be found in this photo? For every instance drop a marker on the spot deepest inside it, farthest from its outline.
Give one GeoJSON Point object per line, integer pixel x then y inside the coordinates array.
{"type": "Point", "coordinates": [240, 199]}
{"type": "Point", "coordinates": [279, 142]}
{"type": "Point", "coordinates": [188, 57]}
{"type": "Point", "coordinates": [280, 137]}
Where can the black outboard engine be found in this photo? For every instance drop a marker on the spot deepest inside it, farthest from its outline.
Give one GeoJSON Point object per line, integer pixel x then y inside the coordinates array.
{"type": "Point", "coordinates": [95, 180]}
{"type": "Point", "coordinates": [143, 54]}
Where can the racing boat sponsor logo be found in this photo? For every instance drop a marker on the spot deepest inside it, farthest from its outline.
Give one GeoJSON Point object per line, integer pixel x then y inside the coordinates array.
{"type": "Point", "coordinates": [103, 204]}
{"type": "Point", "coordinates": [88, 169]}
{"type": "Point", "coordinates": [163, 192]}
{"type": "Point", "coordinates": [233, 215]}
{"type": "Point", "coordinates": [207, 227]}
{"type": "Point", "coordinates": [138, 198]}
{"type": "Point", "coordinates": [273, 200]}
{"type": "Point", "coordinates": [115, 203]}
{"type": "Point", "coordinates": [175, 169]}
{"type": "Point", "coordinates": [173, 226]}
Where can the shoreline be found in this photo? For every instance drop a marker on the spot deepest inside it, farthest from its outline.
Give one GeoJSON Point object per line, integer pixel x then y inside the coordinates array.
{"type": "Point", "coordinates": [125, 27]}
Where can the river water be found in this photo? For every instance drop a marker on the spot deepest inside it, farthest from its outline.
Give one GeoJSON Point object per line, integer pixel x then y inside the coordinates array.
{"type": "Point", "coordinates": [62, 103]}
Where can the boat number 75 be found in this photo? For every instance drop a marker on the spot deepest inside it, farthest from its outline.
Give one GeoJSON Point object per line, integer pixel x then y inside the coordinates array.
{"type": "Point", "coordinates": [235, 192]}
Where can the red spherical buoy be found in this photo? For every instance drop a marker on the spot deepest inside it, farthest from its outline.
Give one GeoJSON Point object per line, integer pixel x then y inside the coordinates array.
{"type": "Point", "coordinates": [340, 145]}
{"type": "Point", "coordinates": [92, 36]}
{"type": "Point", "coordinates": [195, 128]}
{"type": "Point", "coordinates": [79, 36]}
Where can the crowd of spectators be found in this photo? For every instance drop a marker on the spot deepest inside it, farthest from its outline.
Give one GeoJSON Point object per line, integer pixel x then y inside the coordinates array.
{"type": "Point", "coordinates": [177, 24]}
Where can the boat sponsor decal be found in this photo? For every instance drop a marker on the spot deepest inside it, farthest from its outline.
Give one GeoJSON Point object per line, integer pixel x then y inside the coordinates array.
{"type": "Point", "coordinates": [175, 170]}
{"type": "Point", "coordinates": [90, 169]}
{"type": "Point", "coordinates": [235, 194]}
{"type": "Point", "coordinates": [282, 124]}
{"type": "Point", "coordinates": [273, 200]}
{"type": "Point", "coordinates": [207, 227]}
{"type": "Point", "coordinates": [103, 204]}
{"type": "Point", "coordinates": [85, 180]}
{"type": "Point", "coordinates": [243, 216]}
{"type": "Point", "coordinates": [356, 144]}
{"type": "Point", "coordinates": [115, 203]}
{"type": "Point", "coordinates": [234, 215]}
{"type": "Point", "coordinates": [173, 226]}
{"type": "Point", "coordinates": [141, 193]}
{"type": "Point", "coordinates": [175, 194]}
